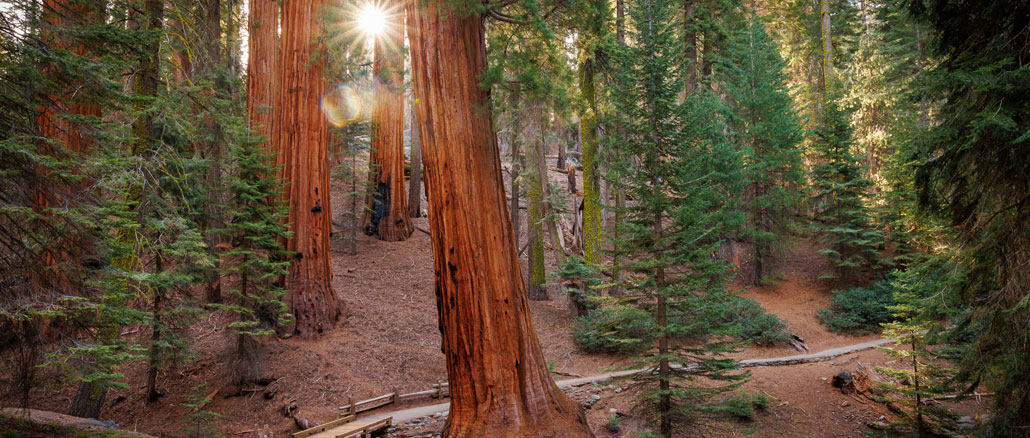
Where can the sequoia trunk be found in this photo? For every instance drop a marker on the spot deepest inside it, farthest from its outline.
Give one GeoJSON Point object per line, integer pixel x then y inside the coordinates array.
{"type": "Point", "coordinates": [301, 136]}
{"type": "Point", "coordinates": [387, 214]}
{"type": "Point", "coordinates": [498, 379]}
{"type": "Point", "coordinates": [261, 65]}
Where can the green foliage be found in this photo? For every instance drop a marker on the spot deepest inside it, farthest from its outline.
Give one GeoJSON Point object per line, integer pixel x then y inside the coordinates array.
{"type": "Point", "coordinates": [614, 423]}
{"type": "Point", "coordinates": [841, 217]}
{"type": "Point", "coordinates": [768, 133]}
{"type": "Point", "coordinates": [618, 329]}
{"type": "Point", "coordinates": [754, 324]}
{"type": "Point", "coordinates": [200, 422]}
{"type": "Point", "coordinates": [971, 174]}
{"type": "Point", "coordinates": [743, 405]}
{"type": "Point", "coordinates": [677, 166]}
{"type": "Point", "coordinates": [860, 310]}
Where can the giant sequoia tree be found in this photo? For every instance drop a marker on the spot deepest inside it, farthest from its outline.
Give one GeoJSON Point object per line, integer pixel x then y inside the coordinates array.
{"type": "Point", "coordinates": [301, 136]}
{"type": "Point", "coordinates": [498, 379]}
{"type": "Point", "coordinates": [386, 214]}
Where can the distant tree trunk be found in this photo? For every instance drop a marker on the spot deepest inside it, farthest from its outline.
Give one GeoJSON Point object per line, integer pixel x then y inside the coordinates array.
{"type": "Point", "coordinates": [181, 64]}
{"type": "Point", "coordinates": [61, 16]}
{"type": "Point", "coordinates": [498, 379]}
{"type": "Point", "coordinates": [541, 169]}
{"type": "Point", "coordinates": [536, 193]}
{"type": "Point", "coordinates": [387, 215]}
{"type": "Point", "coordinates": [762, 247]}
{"type": "Point", "coordinates": [690, 44]}
{"type": "Point", "coordinates": [516, 171]}
{"type": "Point", "coordinates": [262, 61]}
{"type": "Point", "coordinates": [155, 337]}
{"type": "Point", "coordinates": [415, 184]}
{"type": "Point", "coordinates": [302, 139]}
{"type": "Point", "coordinates": [827, 40]}
{"type": "Point", "coordinates": [560, 162]}
{"type": "Point", "coordinates": [211, 148]}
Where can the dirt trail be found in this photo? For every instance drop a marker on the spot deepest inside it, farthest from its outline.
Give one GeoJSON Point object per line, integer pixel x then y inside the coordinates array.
{"type": "Point", "coordinates": [402, 415]}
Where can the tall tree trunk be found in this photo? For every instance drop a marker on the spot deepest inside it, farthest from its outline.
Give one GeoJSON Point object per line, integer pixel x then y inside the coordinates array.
{"type": "Point", "coordinates": [827, 46]}
{"type": "Point", "coordinates": [545, 188]}
{"type": "Point", "coordinates": [211, 148]}
{"type": "Point", "coordinates": [387, 215]}
{"type": "Point", "coordinates": [155, 337]}
{"type": "Point", "coordinates": [516, 171]}
{"type": "Point", "coordinates": [498, 379]}
{"type": "Point", "coordinates": [415, 184]}
{"type": "Point", "coordinates": [262, 62]}
{"type": "Point", "coordinates": [591, 180]}
{"type": "Point", "coordinates": [536, 193]}
{"type": "Point", "coordinates": [302, 139]}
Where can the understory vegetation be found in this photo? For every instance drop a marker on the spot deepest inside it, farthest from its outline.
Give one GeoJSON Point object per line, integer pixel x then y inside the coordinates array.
{"type": "Point", "coordinates": [166, 162]}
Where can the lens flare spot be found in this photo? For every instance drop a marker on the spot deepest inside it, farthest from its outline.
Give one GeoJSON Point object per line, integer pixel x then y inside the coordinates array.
{"type": "Point", "coordinates": [342, 105]}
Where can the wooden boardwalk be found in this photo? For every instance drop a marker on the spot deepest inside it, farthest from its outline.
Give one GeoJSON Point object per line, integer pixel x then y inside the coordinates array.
{"type": "Point", "coordinates": [348, 427]}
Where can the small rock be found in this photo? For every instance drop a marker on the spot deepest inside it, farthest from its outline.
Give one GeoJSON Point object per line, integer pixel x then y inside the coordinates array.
{"type": "Point", "coordinates": [612, 410]}
{"type": "Point", "coordinates": [618, 389]}
{"type": "Point", "coordinates": [595, 397]}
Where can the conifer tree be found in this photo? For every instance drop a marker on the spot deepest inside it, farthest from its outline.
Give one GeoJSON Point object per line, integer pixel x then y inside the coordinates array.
{"type": "Point", "coordinates": [841, 215]}
{"type": "Point", "coordinates": [768, 133]}
{"type": "Point", "coordinates": [257, 257]}
{"type": "Point", "coordinates": [667, 235]}
{"type": "Point", "coordinates": [971, 173]}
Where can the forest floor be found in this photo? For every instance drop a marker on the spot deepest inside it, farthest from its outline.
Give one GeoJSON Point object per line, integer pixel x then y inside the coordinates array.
{"type": "Point", "coordinates": [389, 339]}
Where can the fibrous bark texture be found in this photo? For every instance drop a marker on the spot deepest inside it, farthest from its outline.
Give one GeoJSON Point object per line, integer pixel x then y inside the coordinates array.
{"type": "Point", "coordinates": [261, 64]}
{"type": "Point", "coordinates": [387, 215]}
{"type": "Point", "coordinates": [302, 139]}
{"type": "Point", "coordinates": [499, 382]}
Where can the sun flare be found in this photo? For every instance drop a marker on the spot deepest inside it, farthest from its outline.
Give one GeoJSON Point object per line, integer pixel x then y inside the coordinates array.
{"type": "Point", "coordinates": [372, 20]}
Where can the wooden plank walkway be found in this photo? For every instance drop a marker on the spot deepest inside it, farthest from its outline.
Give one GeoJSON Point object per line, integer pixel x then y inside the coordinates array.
{"type": "Point", "coordinates": [348, 427]}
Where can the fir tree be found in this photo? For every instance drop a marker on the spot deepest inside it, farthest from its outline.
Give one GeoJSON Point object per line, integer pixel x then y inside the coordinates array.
{"type": "Point", "coordinates": [668, 234]}
{"type": "Point", "coordinates": [256, 257]}
{"type": "Point", "coordinates": [768, 134]}
{"type": "Point", "coordinates": [972, 175]}
{"type": "Point", "coordinates": [841, 216]}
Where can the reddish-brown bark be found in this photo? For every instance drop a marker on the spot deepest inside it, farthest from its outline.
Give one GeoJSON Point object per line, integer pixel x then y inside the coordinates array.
{"type": "Point", "coordinates": [64, 14]}
{"type": "Point", "coordinates": [499, 382]}
{"type": "Point", "coordinates": [301, 137]}
{"type": "Point", "coordinates": [73, 100]}
{"type": "Point", "coordinates": [387, 214]}
{"type": "Point", "coordinates": [261, 64]}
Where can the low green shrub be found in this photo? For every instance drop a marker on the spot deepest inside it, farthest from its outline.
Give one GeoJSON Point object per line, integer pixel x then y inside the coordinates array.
{"type": "Point", "coordinates": [756, 325]}
{"type": "Point", "coordinates": [859, 310]}
{"type": "Point", "coordinates": [743, 405]}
